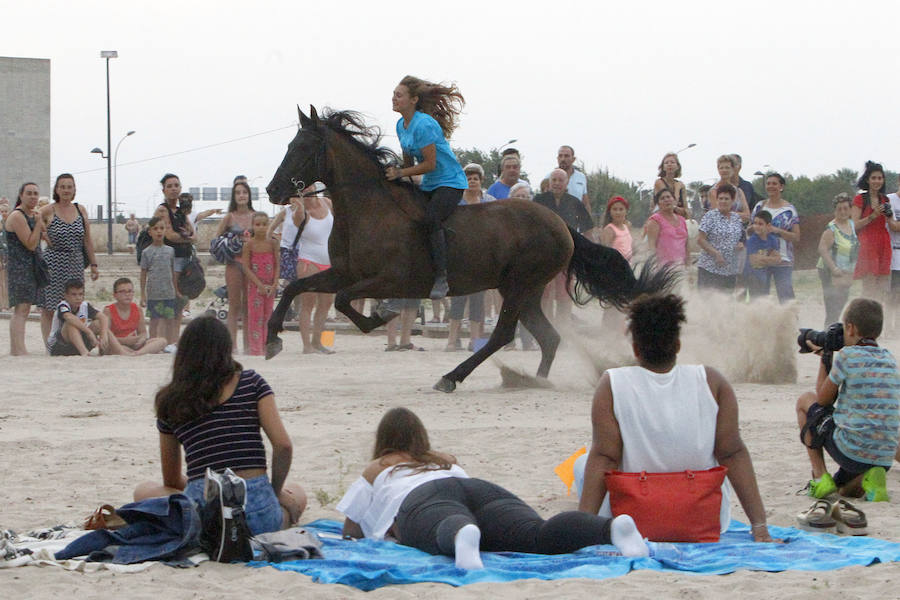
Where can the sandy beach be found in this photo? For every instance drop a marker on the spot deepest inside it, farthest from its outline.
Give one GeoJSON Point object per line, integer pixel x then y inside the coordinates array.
{"type": "Point", "coordinates": [78, 432]}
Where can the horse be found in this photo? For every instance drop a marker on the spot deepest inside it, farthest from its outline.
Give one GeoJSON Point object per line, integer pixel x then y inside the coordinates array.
{"type": "Point", "coordinates": [378, 244]}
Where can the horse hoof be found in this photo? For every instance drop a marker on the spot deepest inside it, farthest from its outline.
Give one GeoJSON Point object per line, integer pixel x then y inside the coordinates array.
{"type": "Point", "coordinates": [273, 347]}
{"type": "Point", "coordinates": [445, 385]}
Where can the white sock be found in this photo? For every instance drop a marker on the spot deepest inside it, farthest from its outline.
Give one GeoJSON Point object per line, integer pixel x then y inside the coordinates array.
{"type": "Point", "coordinates": [626, 537]}
{"type": "Point", "coordinates": [467, 542]}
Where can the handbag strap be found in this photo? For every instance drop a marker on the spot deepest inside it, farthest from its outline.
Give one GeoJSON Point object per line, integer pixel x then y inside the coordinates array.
{"type": "Point", "coordinates": [300, 229]}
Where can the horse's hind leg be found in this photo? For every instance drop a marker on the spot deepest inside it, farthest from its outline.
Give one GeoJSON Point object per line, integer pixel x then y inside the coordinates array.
{"type": "Point", "coordinates": [504, 333]}
{"type": "Point", "coordinates": [536, 322]}
{"type": "Point", "coordinates": [326, 281]}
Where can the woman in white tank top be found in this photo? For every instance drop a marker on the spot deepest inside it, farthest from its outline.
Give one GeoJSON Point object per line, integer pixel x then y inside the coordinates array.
{"type": "Point", "coordinates": [312, 258]}
{"type": "Point", "coordinates": [663, 417]}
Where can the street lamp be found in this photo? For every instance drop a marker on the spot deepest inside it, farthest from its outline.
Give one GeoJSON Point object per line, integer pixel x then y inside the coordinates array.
{"type": "Point", "coordinates": [688, 147]}
{"type": "Point", "coordinates": [116, 171]}
{"type": "Point", "coordinates": [760, 172]}
{"type": "Point", "coordinates": [108, 54]}
{"type": "Point", "coordinates": [512, 141]}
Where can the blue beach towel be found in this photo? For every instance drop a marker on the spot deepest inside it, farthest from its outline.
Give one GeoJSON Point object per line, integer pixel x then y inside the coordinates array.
{"type": "Point", "coordinates": [369, 564]}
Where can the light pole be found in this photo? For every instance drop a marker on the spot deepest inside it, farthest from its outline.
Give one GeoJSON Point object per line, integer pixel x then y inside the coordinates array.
{"type": "Point", "coordinates": [116, 171]}
{"type": "Point", "coordinates": [760, 172]}
{"type": "Point", "coordinates": [640, 194]}
{"type": "Point", "coordinates": [513, 141]}
{"type": "Point", "coordinates": [688, 147]}
{"type": "Point", "coordinates": [108, 54]}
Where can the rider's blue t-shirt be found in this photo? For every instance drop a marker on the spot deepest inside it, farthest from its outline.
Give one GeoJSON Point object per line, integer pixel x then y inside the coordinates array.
{"type": "Point", "coordinates": [423, 130]}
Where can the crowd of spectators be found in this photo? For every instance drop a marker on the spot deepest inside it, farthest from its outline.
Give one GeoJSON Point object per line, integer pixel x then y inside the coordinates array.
{"type": "Point", "coordinates": [745, 242]}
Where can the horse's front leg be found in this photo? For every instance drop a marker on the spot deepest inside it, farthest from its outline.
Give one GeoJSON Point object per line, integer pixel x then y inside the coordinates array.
{"type": "Point", "coordinates": [364, 289]}
{"type": "Point", "coordinates": [328, 281]}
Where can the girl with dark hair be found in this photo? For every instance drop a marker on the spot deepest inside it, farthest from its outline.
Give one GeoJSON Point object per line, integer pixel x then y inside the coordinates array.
{"type": "Point", "coordinates": [215, 409]}
{"type": "Point", "coordinates": [691, 411]}
{"type": "Point", "coordinates": [616, 231]}
{"type": "Point", "coordinates": [68, 231]}
{"type": "Point", "coordinates": [239, 221]}
{"type": "Point", "coordinates": [23, 238]}
{"type": "Point", "coordinates": [423, 499]}
{"type": "Point", "coordinates": [429, 114]}
{"type": "Point", "coordinates": [870, 220]}
{"type": "Point", "coordinates": [785, 226]}
{"type": "Point", "coordinates": [669, 170]}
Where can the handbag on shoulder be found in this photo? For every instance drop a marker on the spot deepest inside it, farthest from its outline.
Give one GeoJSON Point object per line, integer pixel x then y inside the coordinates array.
{"type": "Point", "coordinates": [681, 506]}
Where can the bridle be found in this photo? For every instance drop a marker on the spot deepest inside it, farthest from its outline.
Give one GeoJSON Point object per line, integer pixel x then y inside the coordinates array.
{"type": "Point", "coordinates": [299, 184]}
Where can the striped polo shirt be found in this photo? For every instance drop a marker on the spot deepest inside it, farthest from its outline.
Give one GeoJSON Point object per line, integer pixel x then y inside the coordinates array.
{"type": "Point", "coordinates": [229, 435]}
{"type": "Point", "coordinates": [867, 410]}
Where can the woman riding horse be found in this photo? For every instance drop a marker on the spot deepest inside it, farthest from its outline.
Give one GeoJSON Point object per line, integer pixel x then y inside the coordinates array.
{"type": "Point", "coordinates": [429, 114]}
{"type": "Point", "coordinates": [515, 246]}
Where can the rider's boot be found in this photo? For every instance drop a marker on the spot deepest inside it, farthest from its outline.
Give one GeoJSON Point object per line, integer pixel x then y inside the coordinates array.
{"type": "Point", "coordinates": [438, 247]}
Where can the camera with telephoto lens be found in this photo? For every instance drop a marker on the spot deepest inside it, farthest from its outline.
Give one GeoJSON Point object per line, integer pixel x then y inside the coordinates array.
{"type": "Point", "coordinates": [830, 340]}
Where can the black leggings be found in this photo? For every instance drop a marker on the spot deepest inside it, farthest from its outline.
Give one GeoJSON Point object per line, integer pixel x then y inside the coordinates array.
{"type": "Point", "coordinates": [434, 512]}
{"type": "Point", "coordinates": [441, 202]}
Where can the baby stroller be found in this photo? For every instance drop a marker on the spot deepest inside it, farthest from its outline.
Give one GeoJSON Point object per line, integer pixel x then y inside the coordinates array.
{"type": "Point", "coordinates": [218, 306]}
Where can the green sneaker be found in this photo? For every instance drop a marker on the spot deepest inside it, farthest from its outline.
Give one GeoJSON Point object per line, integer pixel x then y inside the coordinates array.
{"type": "Point", "coordinates": [874, 484]}
{"type": "Point", "coordinates": [822, 487]}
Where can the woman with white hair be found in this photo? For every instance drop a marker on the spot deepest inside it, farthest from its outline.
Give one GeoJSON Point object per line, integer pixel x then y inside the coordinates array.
{"type": "Point", "coordinates": [521, 190]}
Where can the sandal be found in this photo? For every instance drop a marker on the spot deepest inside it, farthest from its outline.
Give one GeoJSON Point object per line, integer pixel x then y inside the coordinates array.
{"type": "Point", "coordinates": [409, 346]}
{"type": "Point", "coordinates": [104, 517]}
{"type": "Point", "coordinates": [850, 520]}
{"type": "Point", "coordinates": [391, 348]}
{"type": "Point", "coordinates": [818, 518]}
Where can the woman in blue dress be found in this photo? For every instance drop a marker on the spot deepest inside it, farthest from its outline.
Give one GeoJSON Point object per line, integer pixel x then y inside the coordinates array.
{"type": "Point", "coordinates": [429, 114]}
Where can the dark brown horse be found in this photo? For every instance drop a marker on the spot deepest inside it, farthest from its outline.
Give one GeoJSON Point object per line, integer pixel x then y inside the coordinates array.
{"type": "Point", "coordinates": [378, 245]}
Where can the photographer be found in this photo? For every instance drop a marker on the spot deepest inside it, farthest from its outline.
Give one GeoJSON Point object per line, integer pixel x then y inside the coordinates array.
{"type": "Point", "coordinates": [854, 413]}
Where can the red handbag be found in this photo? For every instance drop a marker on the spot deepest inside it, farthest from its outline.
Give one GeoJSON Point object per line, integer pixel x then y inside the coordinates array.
{"type": "Point", "coordinates": [670, 507]}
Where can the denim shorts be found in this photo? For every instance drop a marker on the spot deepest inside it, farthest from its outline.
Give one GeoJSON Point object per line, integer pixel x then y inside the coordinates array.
{"type": "Point", "coordinates": [180, 262]}
{"type": "Point", "coordinates": [262, 509]}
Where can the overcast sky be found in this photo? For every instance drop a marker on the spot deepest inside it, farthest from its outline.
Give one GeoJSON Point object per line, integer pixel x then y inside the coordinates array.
{"type": "Point", "coordinates": [806, 87]}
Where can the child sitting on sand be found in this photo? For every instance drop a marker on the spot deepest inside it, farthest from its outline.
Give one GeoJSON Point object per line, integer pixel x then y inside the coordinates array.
{"type": "Point", "coordinates": [77, 327]}
{"type": "Point", "coordinates": [127, 323]}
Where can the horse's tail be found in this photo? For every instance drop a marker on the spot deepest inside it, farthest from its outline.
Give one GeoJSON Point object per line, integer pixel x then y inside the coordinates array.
{"type": "Point", "coordinates": [601, 272]}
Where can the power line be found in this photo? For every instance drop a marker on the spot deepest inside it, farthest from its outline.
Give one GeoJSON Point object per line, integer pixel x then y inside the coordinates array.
{"type": "Point", "coordinates": [198, 148]}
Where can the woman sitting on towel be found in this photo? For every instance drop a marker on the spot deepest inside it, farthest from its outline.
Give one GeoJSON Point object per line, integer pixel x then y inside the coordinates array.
{"type": "Point", "coordinates": [663, 417]}
{"type": "Point", "coordinates": [215, 409]}
{"type": "Point", "coordinates": [422, 498]}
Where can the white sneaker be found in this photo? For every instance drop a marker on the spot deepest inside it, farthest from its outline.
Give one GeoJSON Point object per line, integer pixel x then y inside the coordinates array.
{"type": "Point", "coordinates": [170, 349]}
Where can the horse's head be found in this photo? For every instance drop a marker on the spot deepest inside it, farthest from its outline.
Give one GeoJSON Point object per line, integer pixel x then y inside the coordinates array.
{"type": "Point", "coordinates": [304, 161]}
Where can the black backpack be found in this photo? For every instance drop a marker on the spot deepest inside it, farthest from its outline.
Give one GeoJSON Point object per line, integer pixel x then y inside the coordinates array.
{"type": "Point", "coordinates": [191, 281]}
{"type": "Point", "coordinates": [224, 534]}
{"type": "Point", "coordinates": [143, 240]}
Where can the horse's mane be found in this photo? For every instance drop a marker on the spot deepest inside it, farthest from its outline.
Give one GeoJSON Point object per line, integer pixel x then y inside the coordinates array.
{"type": "Point", "coordinates": [367, 138]}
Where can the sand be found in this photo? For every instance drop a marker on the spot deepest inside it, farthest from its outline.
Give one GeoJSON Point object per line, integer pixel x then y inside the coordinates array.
{"type": "Point", "coordinates": [77, 432]}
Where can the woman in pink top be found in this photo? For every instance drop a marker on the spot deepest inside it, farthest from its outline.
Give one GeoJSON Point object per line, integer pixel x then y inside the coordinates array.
{"type": "Point", "coordinates": [616, 231]}
{"type": "Point", "coordinates": [667, 233]}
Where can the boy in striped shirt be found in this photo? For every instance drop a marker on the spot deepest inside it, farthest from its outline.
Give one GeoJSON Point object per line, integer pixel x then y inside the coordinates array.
{"type": "Point", "coordinates": [861, 394]}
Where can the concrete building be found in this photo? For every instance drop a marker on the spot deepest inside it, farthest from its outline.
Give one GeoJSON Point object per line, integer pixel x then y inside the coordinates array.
{"type": "Point", "coordinates": [24, 124]}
